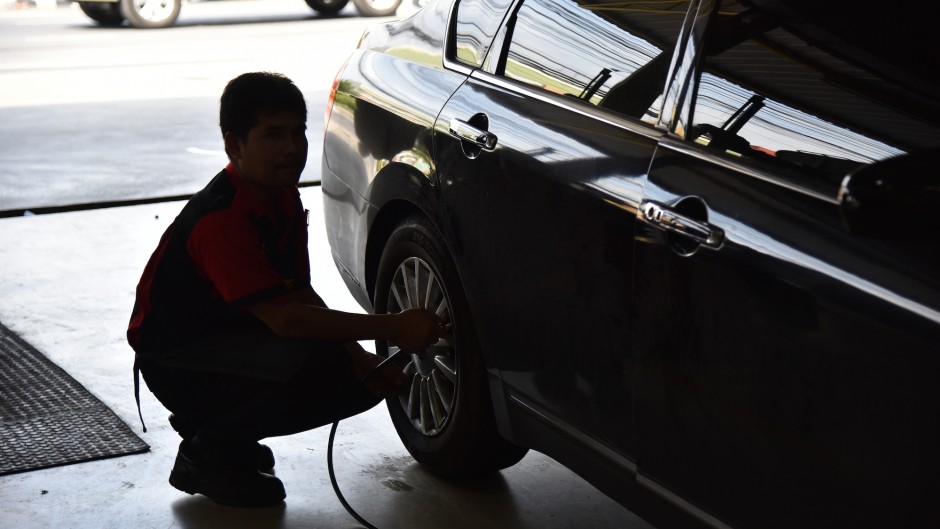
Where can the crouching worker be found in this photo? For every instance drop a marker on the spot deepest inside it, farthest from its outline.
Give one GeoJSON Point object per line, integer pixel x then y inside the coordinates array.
{"type": "Point", "coordinates": [229, 335]}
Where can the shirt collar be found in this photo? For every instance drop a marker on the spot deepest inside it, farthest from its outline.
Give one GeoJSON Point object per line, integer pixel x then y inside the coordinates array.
{"type": "Point", "coordinates": [285, 201]}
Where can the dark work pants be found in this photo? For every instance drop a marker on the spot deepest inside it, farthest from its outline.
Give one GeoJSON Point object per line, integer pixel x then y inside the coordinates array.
{"type": "Point", "coordinates": [246, 388]}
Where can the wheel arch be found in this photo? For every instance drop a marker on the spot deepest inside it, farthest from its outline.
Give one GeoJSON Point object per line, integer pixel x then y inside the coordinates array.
{"type": "Point", "coordinates": [387, 218]}
{"type": "Point", "coordinates": [397, 192]}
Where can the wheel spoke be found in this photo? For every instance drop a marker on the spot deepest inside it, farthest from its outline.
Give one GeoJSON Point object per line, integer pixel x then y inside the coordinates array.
{"type": "Point", "coordinates": [438, 413]}
{"type": "Point", "coordinates": [441, 347]}
{"type": "Point", "coordinates": [413, 300]}
{"type": "Point", "coordinates": [396, 293]}
{"type": "Point", "coordinates": [431, 288]}
{"type": "Point", "coordinates": [419, 300]}
{"type": "Point", "coordinates": [441, 309]}
{"type": "Point", "coordinates": [410, 369]}
{"type": "Point", "coordinates": [414, 399]}
{"type": "Point", "coordinates": [408, 287]}
{"type": "Point", "coordinates": [426, 417]}
{"type": "Point", "coordinates": [445, 391]}
{"type": "Point", "coordinates": [445, 366]}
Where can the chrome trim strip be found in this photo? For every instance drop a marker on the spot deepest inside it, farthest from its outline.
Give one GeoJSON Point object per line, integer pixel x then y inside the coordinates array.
{"type": "Point", "coordinates": [561, 426]}
{"type": "Point", "coordinates": [667, 495]}
{"type": "Point", "coordinates": [591, 112]}
{"type": "Point", "coordinates": [456, 66]}
{"type": "Point", "coordinates": [448, 33]}
{"type": "Point", "coordinates": [683, 147]}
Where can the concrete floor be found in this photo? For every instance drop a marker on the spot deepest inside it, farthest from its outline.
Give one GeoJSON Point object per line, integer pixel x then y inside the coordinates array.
{"type": "Point", "coordinates": [66, 286]}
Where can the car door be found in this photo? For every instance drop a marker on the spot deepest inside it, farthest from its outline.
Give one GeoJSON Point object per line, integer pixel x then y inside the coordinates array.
{"type": "Point", "coordinates": [786, 362]}
{"type": "Point", "coordinates": [539, 156]}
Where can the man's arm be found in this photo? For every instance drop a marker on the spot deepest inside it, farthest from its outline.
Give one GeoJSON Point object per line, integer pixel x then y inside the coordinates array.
{"type": "Point", "coordinates": [391, 382]}
{"type": "Point", "coordinates": [306, 317]}
{"type": "Point", "coordinates": [308, 296]}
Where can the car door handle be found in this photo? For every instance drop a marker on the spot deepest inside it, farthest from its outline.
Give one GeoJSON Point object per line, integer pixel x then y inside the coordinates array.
{"type": "Point", "coordinates": [675, 222]}
{"type": "Point", "coordinates": [467, 132]}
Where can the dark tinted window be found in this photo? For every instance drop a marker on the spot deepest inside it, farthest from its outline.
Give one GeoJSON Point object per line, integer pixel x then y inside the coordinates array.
{"type": "Point", "coordinates": [795, 95]}
{"type": "Point", "coordinates": [477, 22]}
{"type": "Point", "coordinates": [604, 54]}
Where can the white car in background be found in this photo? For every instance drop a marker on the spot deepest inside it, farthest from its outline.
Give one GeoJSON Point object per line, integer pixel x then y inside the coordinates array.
{"type": "Point", "coordinates": [163, 13]}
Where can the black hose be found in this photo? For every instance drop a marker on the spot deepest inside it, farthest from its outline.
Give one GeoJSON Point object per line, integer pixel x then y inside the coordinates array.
{"type": "Point", "coordinates": [329, 453]}
{"type": "Point", "coordinates": [329, 466]}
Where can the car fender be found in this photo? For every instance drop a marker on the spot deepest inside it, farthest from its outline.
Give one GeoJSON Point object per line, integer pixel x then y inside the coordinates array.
{"type": "Point", "coordinates": [398, 190]}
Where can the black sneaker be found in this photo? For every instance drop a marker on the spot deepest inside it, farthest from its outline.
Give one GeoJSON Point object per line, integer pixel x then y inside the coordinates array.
{"type": "Point", "coordinates": [265, 459]}
{"type": "Point", "coordinates": [224, 480]}
{"type": "Point", "coordinates": [188, 429]}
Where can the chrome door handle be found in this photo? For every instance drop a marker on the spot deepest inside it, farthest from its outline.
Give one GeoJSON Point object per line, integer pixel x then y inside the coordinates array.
{"type": "Point", "coordinates": [467, 132]}
{"type": "Point", "coordinates": [672, 221]}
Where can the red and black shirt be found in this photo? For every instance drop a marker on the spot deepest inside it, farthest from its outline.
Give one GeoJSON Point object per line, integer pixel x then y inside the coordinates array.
{"type": "Point", "coordinates": [225, 251]}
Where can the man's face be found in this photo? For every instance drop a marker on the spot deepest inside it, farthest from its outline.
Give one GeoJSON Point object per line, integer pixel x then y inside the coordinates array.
{"type": "Point", "coordinates": [274, 153]}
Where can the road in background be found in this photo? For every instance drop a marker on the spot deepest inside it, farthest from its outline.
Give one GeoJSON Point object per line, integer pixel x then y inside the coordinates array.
{"type": "Point", "coordinates": [91, 114]}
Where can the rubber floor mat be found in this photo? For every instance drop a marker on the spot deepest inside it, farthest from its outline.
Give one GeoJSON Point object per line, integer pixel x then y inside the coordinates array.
{"type": "Point", "coordinates": [48, 419]}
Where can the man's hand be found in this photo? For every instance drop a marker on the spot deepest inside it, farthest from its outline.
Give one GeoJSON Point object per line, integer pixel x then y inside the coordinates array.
{"type": "Point", "coordinates": [417, 329]}
{"type": "Point", "coordinates": [388, 382]}
{"type": "Point", "coordinates": [414, 331]}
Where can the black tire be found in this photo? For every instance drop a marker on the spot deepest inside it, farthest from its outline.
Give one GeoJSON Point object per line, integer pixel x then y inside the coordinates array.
{"type": "Point", "coordinates": [377, 8]}
{"type": "Point", "coordinates": [151, 14]}
{"type": "Point", "coordinates": [104, 13]}
{"type": "Point", "coordinates": [327, 7]}
{"type": "Point", "coordinates": [446, 421]}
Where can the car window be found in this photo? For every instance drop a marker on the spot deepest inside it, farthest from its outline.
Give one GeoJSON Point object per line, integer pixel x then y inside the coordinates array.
{"type": "Point", "coordinates": [796, 96]}
{"type": "Point", "coordinates": [476, 24]}
{"type": "Point", "coordinates": [592, 53]}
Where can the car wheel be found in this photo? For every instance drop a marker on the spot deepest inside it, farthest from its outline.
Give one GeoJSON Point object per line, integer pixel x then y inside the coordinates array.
{"type": "Point", "coordinates": [445, 420]}
{"type": "Point", "coordinates": [377, 8]}
{"type": "Point", "coordinates": [151, 13]}
{"type": "Point", "coordinates": [327, 7]}
{"type": "Point", "coordinates": [104, 13]}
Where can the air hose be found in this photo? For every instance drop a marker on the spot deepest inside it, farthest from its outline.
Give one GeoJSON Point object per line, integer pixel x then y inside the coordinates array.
{"type": "Point", "coordinates": [329, 465]}
{"type": "Point", "coordinates": [329, 453]}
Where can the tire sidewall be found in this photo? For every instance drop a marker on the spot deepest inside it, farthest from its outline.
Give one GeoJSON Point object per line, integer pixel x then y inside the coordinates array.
{"type": "Point", "coordinates": [104, 13]}
{"type": "Point", "coordinates": [325, 7]}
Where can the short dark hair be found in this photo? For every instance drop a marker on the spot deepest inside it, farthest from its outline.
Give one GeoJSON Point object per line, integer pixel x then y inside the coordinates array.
{"type": "Point", "coordinates": [251, 93]}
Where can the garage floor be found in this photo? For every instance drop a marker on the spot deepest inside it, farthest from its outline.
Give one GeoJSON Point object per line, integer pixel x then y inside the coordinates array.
{"type": "Point", "coordinates": [66, 286]}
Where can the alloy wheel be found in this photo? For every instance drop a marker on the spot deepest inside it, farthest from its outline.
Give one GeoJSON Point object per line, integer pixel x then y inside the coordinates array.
{"type": "Point", "coordinates": [433, 372]}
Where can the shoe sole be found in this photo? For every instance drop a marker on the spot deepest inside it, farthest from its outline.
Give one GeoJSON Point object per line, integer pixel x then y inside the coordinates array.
{"type": "Point", "coordinates": [183, 486]}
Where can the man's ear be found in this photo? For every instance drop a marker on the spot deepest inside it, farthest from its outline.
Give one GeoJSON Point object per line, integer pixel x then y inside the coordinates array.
{"type": "Point", "coordinates": [233, 145]}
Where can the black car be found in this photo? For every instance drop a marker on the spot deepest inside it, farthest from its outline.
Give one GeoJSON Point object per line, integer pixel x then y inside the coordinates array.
{"type": "Point", "coordinates": [689, 249]}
